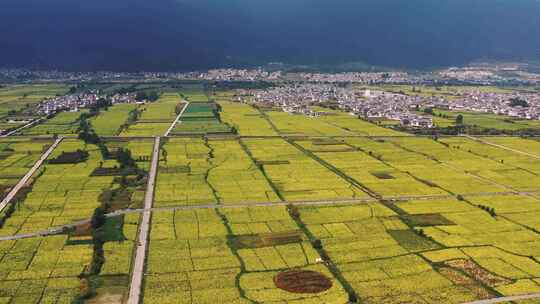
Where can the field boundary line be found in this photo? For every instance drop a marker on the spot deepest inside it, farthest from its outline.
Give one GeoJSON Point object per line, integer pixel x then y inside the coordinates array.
{"type": "Point", "coordinates": [500, 146]}
{"type": "Point", "coordinates": [29, 174]}
{"type": "Point", "coordinates": [506, 299]}
{"type": "Point", "coordinates": [177, 119]}
{"type": "Point", "coordinates": [135, 288]}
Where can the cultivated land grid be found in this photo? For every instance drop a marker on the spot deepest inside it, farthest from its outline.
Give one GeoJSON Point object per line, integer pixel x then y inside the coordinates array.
{"type": "Point", "coordinates": [338, 266]}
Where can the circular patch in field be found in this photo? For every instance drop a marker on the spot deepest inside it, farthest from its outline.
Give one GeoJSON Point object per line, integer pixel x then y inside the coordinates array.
{"type": "Point", "coordinates": [302, 281]}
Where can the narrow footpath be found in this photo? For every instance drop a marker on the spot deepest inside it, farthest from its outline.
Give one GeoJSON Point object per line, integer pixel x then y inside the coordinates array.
{"type": "Point", "coordinates": [506, 299]}
{"type": "Point", "coordinates": [481, 140]}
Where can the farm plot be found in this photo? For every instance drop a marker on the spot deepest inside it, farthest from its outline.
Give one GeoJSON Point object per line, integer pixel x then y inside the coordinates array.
{"type": "Point", "coordinates": [156, 117]}
{"type": "Point", "coordinates": [63, 123]}
{"type": "Point", "coordinates": [69, 188]}
{"type": "Point", "coordinates": [20, 99]}
{"type": "Point", "coordinates": [354, 125]}
{"type": "Point", "coordinates": [195, 171]}
{"type": "Point", "coordinates": [423, 159]}
{"type": "Point", "coordinates": [368, 170]}
{"type": "Point", "coordinates": [245, 119]}
{"type": "Point", "coordinates": [201, 118]}
{"type": "Point", "coordinates": [109, 123]}
{"type": "Point", "coordinates": [490, 121]}
{"type": "Point", "coordinates": [269, 243]}
{"type": "Point", "coordinates": [335, 123]}
{"type": "Point", "coordinates": [234, 176]}
{"type": "Point", "coordinates": [195, 94]}
{"type": "Point", "coordinates": [47, 270]}
{"type": "Point", "coordinates": [17, 156]}
{"type": "Point", "coordinates": [500, 175]}
{"type": "Point", "coordinates": [528, 145]}
{"type": "Point", "coordinates": [296, 176]}
{"type": "Point", "coordinates": [189, 260]}
{"type": "Point", "coordinates": [183, 170]}
{"type": "Point", "coordinates": [196, 255]}
{"type": "Point", "coordinates": [289, 124]}
{"type": "Point", "coordinates": [378, 255]}
{"type": "Point", "coordinates": [112, 282]}
{"type": "Point", "coordinates": [42, 270]}
{"type": "Point", "coordinates": [492, 249]}
{"type": "Point", "coordinates": [521, 172]}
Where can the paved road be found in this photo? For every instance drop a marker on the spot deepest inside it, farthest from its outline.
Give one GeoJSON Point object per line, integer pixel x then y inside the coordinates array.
{"type": "Point", "coordinates": [506, 299]}
{"type": "Point", "coordinates": [144, 229]}
{"type": "Point", "coordinates": [177, 119]}
{"type": "Point", "coordinates": [56, 230]}
{"type": "Point", "coordinates": [501, 146]}
{"type": "Point", "coordinates": [28, 125]}
{"type": "Point", "coordinates": [28, 175]}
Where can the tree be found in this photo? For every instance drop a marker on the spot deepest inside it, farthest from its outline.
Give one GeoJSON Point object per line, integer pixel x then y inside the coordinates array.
{"type": "Point", "coordinates": [123, 156]}
{"type": "Point", "coordinates": [515, 102]}
{"type": "Point", "coordinates": [429, 111]}
{"type": "Point", "coordinates": [140, 96]}
{"type": "Point", "coordinates": [98, 219]}
{"type": "Point", "coordinates": [153, 96]}
{"type": "Point", "coordinates": [459, 119]}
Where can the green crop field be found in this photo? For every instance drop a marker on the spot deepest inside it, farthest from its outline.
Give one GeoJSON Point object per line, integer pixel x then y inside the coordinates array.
{"type": "Point", "coordinates": [17, 156]}
{"type": "Point", "coordinates": [155, 118]}
{"type": "Point", "coordinates": [20, 97]}
{"type": "Point", "coordinates": [109, 123]}
{"type": "Point", "coordinates": [485, 120]}
{"type": "Point", "coordinates": [202, 118]}
{"type": "Point", "coordinates": [63, 123]}
{"type": "Point", "coordinates": [246, 119]}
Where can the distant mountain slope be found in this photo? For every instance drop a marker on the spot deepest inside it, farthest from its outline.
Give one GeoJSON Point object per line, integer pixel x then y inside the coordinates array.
{"type": "Point", "coordinates": [192, 34]}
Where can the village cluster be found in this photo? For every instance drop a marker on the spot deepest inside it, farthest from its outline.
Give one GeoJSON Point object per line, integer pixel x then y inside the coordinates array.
{"type": "Point", "coordinates": [374, 104]}
{"type": "Point", "coordinates": [518, 105]}
{"type": "Point", "coordinates": [75, 102]}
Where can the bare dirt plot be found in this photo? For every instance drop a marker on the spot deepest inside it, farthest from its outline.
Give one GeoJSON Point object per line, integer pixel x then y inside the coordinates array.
{"type": "Point", "coordinates": [302, 281]}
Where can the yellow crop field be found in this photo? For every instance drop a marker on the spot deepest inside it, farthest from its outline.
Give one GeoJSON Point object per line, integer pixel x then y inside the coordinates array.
{"type": "Point", "coordinates": [247, 120]}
